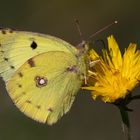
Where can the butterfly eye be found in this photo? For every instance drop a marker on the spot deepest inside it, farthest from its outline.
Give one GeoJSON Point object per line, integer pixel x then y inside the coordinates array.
{"type": "Point", "coordinates": [40, 81]}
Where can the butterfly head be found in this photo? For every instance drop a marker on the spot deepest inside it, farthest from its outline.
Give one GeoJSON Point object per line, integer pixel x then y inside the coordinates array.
{"type": "Point", "coordinates": [83, 47]}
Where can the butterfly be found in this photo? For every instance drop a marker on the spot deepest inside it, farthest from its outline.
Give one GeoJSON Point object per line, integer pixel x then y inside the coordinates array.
{"type": "Point", "coordinates": [42, 73]}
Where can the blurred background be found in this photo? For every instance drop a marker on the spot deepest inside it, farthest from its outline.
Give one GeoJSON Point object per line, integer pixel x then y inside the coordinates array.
{"type": "Point", "coordinates": [87, 119]}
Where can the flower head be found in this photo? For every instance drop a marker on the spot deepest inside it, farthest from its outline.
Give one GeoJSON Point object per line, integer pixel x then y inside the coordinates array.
{"type": "Point", "coordinates": [116, 74]}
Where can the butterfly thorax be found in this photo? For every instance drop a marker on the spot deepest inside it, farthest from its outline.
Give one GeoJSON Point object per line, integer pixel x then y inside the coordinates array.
{"type": "Point", "coordinates": [83, 59]}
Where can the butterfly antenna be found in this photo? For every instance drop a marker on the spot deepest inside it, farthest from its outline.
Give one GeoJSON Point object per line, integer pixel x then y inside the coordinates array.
{"type": "Point", "coordinates": [103, 29]}
{"type": "Point", "coordinates": [79, 29]}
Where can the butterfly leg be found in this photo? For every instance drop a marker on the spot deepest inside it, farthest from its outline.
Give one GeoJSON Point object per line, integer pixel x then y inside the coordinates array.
{"type": "Point", "coordinates": [85, 79]}
{"type": "Point", "coordinates": [92, 73]}
{"type": "Point", "coordinates": [93, 63]}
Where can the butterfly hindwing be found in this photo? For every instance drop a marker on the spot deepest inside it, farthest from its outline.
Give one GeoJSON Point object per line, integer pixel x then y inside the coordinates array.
{"type": "Point", "coordinates": [43, 89]}
{"type": "Point", "coordinates": [16, 47]}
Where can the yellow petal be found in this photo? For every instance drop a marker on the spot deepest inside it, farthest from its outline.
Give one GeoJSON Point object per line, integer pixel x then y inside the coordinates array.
{"type": "Point", "coordinates": [115, 75]}
{"type": "Point", "coordinates": [114, 52]}
{"type": "Point", "coordinates": [131, 62]}
{"type": "Point", "coordinates": [93, 54]}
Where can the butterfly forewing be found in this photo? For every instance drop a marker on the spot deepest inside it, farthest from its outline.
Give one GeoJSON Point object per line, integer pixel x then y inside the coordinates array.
{"type": "Point", "coordinates": [16, 47]}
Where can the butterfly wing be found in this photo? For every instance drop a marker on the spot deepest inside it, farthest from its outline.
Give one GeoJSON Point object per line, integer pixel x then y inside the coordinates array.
{"type": "Point", "coordinates": [16, 47]}
{"type": "Point", "coordinates": [44, 88]}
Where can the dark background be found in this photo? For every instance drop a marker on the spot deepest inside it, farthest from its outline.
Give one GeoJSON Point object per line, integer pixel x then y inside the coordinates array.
{"type": "Point", "coordinates": [87, 120]}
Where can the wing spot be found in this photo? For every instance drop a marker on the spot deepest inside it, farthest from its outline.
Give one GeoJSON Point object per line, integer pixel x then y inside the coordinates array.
{"type": "Point", "coordinates": [34, 45]}
{"type": "Point", "coordinates": [72, 68]}
{"type": "Point", "coordinates": [19, 85]}
{"type": "Point", "coordinates": [38, 107]}
{"type": "Point", "coordinates": [31, 62]}
{"type": "Point", "coordinates": [20, 74]}
{"type": "Point", "coordinates": [3, 31]}
{"type": "Point", "coordinates": [10, 31]}
{"type": "Point", "coordinates": [12, 67]}
{"type": "Point", "coordinates": [5, 59]}
{"type": "Point", "coordinates": [24, 93]}
{"type": "Point", "coordinates": [2, 51]}
{"type": "Point", "coordinates": [50, 109]}
{"type": "Point", "coordinates": [41, 81]}
{"type": "Point", "coordinates": [28, 101]}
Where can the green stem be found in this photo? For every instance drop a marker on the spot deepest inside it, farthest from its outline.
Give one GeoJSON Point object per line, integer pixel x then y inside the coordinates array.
{"type": "Point", "coordinates": [125, 123]}
{"type": "Point", "coordinates": [122, 105]}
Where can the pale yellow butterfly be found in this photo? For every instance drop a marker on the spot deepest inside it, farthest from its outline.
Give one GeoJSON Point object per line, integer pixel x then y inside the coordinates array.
{"type": "Point", "coordinates": [42, 73]}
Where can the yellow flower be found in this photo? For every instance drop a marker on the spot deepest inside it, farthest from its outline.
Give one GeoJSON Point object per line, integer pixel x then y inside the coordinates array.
{"type": "Point", "coordinates": [115, 75]}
